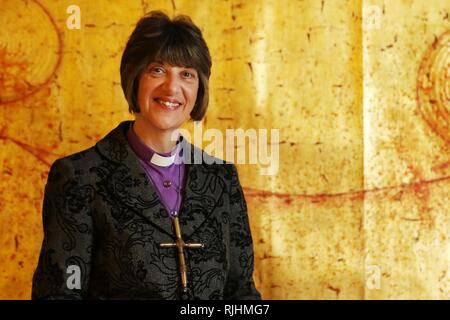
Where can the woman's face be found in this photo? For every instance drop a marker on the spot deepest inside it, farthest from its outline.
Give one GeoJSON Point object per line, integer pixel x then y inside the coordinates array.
{"type": "Point", "coordinates": [167, 95]}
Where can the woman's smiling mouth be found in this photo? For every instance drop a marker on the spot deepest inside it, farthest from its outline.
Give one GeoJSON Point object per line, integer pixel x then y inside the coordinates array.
{"type": "Point", "coordinates": [170, 105]}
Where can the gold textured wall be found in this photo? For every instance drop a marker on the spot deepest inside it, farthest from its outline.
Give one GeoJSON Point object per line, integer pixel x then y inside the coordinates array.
{"type": "Point", "coordinates": [360, 91]}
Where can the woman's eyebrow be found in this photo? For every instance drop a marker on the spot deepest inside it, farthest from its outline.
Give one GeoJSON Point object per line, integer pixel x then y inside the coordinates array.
{"type": "Point", "coordinates": [186, 67]}
{"type": "Point", "coordinates": [155, 62]}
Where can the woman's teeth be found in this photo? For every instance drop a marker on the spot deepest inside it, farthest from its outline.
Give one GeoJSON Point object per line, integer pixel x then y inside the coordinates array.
{"type": "Point", "coordinates": [168, 104]}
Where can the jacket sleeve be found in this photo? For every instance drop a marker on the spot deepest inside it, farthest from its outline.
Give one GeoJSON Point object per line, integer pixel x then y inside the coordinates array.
{"type": "Point", "coordinates": [64, 261]}
{"type": "Point", "coordinates": [240, 284]}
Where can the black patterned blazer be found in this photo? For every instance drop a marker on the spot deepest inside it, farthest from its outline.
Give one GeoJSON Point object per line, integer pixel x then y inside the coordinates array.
{"type": "Point", "coordinates": [101, 214]}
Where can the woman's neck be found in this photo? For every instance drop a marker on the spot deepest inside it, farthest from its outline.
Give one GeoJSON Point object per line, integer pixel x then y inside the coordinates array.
{"type": "Point", "coordinates": [158, 140]}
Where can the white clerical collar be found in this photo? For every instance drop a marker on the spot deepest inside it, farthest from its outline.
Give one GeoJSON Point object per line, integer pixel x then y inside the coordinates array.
{"type": "Point", "coordinates": [162, 161]}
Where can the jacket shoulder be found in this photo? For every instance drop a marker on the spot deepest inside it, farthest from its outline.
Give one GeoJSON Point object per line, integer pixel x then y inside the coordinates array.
{"type": "Point", "coordinates": [76, 164]}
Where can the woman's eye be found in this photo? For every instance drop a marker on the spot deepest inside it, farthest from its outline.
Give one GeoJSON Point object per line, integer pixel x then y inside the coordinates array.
{"type": "Point", "coordinates": [157, 70]}
{"type": "Point", "coordinates": [188, 75]}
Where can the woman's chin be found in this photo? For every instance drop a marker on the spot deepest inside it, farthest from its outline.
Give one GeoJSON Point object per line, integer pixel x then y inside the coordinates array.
{"type": "Point", "coordinates": [167, 126]}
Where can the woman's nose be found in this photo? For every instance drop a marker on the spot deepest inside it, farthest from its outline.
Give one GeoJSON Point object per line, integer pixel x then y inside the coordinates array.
{"type": "Point", "coordinates": [171, 83]}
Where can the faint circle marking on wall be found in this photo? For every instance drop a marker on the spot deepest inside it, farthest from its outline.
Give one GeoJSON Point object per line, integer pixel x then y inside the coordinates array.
{"type": "Point", "coordinates": [433, 86]}
{"type": "Point", "coordinates": [30, 49]}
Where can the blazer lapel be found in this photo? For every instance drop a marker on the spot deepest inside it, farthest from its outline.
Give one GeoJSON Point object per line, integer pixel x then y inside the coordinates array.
{"type": "Point", "coordinates": [203, 192]}
{"type": "Point", "coordinates": [128, 182]}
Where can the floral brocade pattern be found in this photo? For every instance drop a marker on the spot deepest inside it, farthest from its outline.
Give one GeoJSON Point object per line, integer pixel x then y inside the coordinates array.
{"type": "Point", "coordinates": [101, 214]}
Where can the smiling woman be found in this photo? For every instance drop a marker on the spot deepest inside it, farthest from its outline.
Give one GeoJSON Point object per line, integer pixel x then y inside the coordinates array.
{"type": "Point", "coordinates": [133, 217]}
{"type": "Point", "coordinates": [166, 97]}
{"type": "Point", "coordinates": [165, 63]}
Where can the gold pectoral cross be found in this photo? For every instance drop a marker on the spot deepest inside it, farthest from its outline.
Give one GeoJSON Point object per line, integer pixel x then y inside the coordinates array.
{"type": "Point", "coordinates": [181, 245]}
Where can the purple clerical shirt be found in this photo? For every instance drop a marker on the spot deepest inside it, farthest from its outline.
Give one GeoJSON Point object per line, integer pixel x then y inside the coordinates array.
{"type": "Point", "coordinates": [167, 180]}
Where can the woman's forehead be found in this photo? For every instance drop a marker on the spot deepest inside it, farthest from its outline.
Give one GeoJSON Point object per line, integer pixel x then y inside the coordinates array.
{"type": "Point", "coordinates": [169, 64]}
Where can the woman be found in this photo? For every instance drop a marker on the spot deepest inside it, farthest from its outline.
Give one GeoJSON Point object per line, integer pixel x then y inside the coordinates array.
{"type": "Point", "coordinates": [132, 217]}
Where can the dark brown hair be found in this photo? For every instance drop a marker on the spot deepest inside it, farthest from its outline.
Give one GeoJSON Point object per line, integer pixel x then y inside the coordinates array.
{"type": "Point", "coordinates": [178, 42]}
